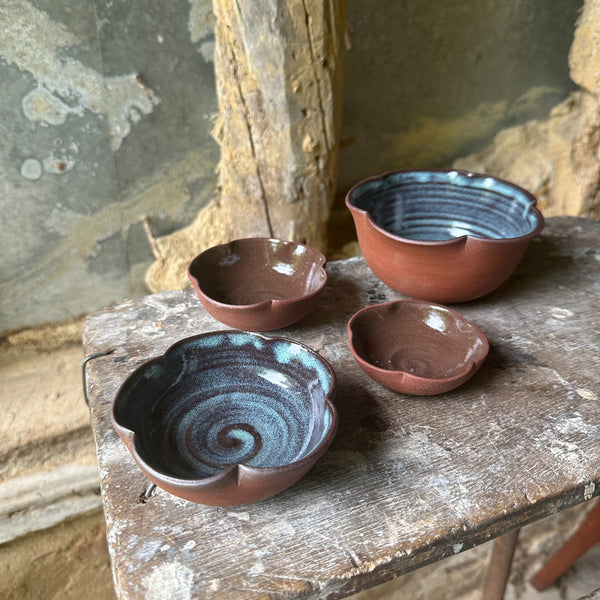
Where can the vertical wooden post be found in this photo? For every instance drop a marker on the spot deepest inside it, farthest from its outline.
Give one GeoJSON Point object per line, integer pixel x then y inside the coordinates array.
{"type": "Point", "coordinates": [500, 564]}
{"type": "Point", "coordinates": [278, 67]}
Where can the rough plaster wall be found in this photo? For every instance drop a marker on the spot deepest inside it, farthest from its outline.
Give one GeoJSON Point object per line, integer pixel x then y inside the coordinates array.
{"type": "Point", "coordinates": [101, 111]}
{"type": "Point", "coordinates": [428, 82]}
{"type": "Point", "coordinates": [106, 108]}
{"type": "Point", "coordinates": [278, 67]}
{"type": "Point", "coordinates": [557, 157]}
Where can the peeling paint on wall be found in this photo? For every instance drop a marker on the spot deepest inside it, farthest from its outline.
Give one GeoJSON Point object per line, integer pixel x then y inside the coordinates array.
{"type": "Point", "coordinates": [201, 25]}
{"type": "Point", "coordinates": [40, 105]}
{"type": "Point", "coordinates": [78, 80]}
{"type": "Point", "coordinates": [127, 100]}
{"type": "Point", "coordinates": [36, 44]}
{"type": "Point", "coordinates": [31, 169]}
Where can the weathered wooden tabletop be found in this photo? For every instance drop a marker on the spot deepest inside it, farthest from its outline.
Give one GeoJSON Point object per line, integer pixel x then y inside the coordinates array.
{"type": "Point", "coordinates": [408, 480]}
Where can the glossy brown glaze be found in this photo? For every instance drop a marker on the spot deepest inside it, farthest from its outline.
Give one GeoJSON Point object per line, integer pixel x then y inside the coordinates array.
{"type": "Point", "coordinates": [443, 236]}
{"type": "Point", "coordinates": [258, 284]}
{"type": "Point", "coordinates": [416, 347]}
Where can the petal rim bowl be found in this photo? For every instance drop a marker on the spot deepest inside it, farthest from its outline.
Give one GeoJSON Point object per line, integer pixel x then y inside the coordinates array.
{"type": "Point", "coordinates": [149, 426]}
{"type": "Point", "coordinates": [375, 336]}
{"type": "Point", "coordinates": [258, 284]}
{"type": "Point", "coordinates": [485, 238]}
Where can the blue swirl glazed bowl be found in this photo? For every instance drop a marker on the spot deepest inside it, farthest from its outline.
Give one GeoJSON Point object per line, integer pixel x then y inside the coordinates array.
{"type": "Point", "coordinates": [443, 236]}
{"type": "Point", "coordinates": [228, 417]}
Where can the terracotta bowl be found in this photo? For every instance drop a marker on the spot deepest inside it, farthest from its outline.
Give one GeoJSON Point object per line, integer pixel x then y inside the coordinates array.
{"type": "Point", "coordinates": [443, 236]}
{"type": "Point", "coordinates": [258, 284]}
{"type": "Point", "coordinates": [228, 417]}
{"type": "Point", "coordinates": [416, 347]}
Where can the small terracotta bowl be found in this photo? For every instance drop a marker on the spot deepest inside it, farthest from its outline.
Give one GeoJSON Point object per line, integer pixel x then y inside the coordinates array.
{"type": "Point", "coordinates": [258, 284]}
{"type": "Point", "coordinates": [443, 236]}
{"type": "Point", "coordinates": [416, 347]}
{"type": "Point", "coordinates": [228, 417]}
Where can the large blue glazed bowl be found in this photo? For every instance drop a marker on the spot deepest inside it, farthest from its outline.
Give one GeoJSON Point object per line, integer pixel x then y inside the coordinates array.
{"type": "Point", "coordinates": [228, 417]}
{"type": "Point", "coordinates": [443, 236]}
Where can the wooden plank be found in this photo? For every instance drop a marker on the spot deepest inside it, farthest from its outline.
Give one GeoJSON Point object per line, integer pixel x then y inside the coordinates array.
{"type": "Point", "coordinates": [408, 480]}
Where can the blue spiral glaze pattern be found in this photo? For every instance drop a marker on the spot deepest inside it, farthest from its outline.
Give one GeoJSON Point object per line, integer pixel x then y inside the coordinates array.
{"type": "Point", "coordinates": [441, 205]}
{"type": "Point", "coordinates": [227, 398]}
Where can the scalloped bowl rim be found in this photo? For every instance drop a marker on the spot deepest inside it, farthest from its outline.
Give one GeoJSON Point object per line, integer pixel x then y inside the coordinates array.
{"type": "Point", "coordinates": [322, 261]}
{"type": "Point", "coordinates": [226, 472]}
{"type": "Point", "coordinates": [405, 375]}
{"type": "Point", "coordinates": [532, 209]}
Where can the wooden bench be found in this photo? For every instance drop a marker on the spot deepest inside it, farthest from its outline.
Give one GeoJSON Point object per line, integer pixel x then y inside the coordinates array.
{"type": "Point", "coordinates": [408, 480]}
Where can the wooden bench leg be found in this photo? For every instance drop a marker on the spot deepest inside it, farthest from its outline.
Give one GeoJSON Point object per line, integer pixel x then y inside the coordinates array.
{"type": "Point", "coordinates": [499, 567]}
{"type": "Point", "coordinates": [574, 548]}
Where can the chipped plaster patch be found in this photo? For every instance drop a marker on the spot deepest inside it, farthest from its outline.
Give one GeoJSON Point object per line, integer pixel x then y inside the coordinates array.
{"type": "Point", "coordinates": [40, 105]}
{"type": "Point", "coordinates": [169, 580]}
{"type": "Point", "coordinates": [127, 100]}
{"type": "Point", "coordinates": [31, 169]}
{"type": "Point", "coordinates": [201, 26]}
{"type": "Point", "coordinates": [33, 42]}
{"type": "Point", "coordinates": [58, 166]}
{"type": "Point", "coordinates": [587, 394]}
{"type": "Point", "coordinates": [588, 492]}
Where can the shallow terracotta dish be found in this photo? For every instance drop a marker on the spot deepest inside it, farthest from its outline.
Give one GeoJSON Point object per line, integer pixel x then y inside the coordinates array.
{"type": "Point", "coordinates": [258, 284]}
{"type": "Point", "coordinates": [416, 347]}
{"type": "Point", "coordinates": [443, 236]}
{"type": "Point", "coordinates": [228, 417]}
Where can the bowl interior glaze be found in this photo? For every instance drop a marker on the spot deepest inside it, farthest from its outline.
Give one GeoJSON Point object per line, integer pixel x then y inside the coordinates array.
{"type": "Point", "coordinates": [227, 398]}
{"type": "Point", "coordinates": [415, 346]}
{"type": "Point", "coordinates": [443, 236]}
{"type": "Point", "coordinates": [254, 270]}
{"type": "Point", "coordinates": [442, 205]}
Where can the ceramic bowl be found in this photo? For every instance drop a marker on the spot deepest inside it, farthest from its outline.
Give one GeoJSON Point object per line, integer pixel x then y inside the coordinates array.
{"type": "Point", "coordinates": [416, 347]}
{"type": "Point", "coordinates": [258, 284]}
{"type": "Point", "coordinates": [228, 417]}
{"type": "Point", "coordinates": [443, 236]}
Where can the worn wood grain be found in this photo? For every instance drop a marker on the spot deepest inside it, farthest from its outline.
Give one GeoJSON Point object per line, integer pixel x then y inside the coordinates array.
{"type": "Point", "coordinates": [408, 480]}
{"type": "Point", "coordinates": [278, 67]}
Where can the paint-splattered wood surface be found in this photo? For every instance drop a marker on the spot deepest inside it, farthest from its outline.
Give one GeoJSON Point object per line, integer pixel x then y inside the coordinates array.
{"type": "Point", "coordinates": [408, 480]}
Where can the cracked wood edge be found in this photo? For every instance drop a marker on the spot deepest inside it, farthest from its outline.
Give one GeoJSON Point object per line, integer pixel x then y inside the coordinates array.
{"type": "Point", "coordinates": [279, 78]}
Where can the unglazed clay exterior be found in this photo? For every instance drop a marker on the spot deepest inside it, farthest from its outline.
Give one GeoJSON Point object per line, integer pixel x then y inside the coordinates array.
{"type": "Point", "coordinates": [443, 236]}
{"type": "Point", "coordinates": [258, 284]}
{"type": "Point", "coordinates": [416, 347]}
{"type": "Point", "coordinates": [228, 417]}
